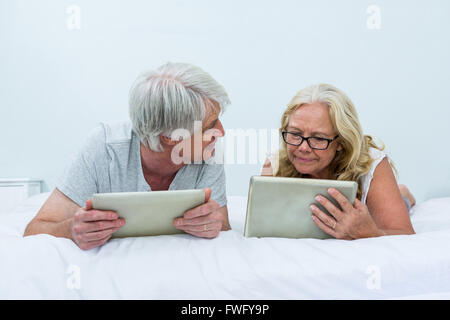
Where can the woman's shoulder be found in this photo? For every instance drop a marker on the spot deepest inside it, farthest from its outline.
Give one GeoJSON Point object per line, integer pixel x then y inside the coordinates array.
{"type": "Point", "coordinates": [377, 156]}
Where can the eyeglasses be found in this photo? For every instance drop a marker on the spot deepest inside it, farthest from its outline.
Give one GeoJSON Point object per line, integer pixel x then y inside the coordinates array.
{"type": "Point", "coordinates": [295, 139]}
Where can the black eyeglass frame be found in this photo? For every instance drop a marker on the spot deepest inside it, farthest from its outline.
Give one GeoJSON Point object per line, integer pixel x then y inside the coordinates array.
{"type": "Point", "coordinates": [284, 132]}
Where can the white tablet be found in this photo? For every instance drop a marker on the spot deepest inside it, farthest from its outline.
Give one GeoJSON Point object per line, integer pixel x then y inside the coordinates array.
{"type": "Point", "coordinates": [148, 213]}
{"type": "Point", "coordinates": [279, 207]}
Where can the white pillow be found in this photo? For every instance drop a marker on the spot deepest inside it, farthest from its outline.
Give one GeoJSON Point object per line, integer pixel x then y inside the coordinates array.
{"type": "Point", "coordinates": [34, 202]}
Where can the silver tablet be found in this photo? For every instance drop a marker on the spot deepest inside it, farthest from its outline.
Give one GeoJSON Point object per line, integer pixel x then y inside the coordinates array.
{"type": "Point", "coordinates": [148, 213]}
{"type": "Point", "coordinates": [279, 207]}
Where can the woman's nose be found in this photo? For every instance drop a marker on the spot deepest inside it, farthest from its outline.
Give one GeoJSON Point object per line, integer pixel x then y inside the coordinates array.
{"type": "Point", "coordinates": [304, 146]}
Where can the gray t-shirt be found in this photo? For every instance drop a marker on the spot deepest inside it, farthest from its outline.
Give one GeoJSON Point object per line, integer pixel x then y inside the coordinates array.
{"type": "Point", "coordinates": [110, 161]}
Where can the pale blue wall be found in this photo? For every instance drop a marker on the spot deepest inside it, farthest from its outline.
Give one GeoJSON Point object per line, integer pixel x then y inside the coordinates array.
{"type": "Point", "coordinates": [56, 83]}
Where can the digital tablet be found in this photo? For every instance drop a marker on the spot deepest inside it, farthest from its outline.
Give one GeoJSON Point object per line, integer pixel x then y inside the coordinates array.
{"type": "Point", "coordinates": [148, 213]}
{"type": "Point", "coordinates": [279, 207]}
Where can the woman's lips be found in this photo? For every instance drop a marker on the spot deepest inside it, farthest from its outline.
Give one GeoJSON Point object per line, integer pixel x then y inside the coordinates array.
{"type": "Point", "coordinates": [305, 160]}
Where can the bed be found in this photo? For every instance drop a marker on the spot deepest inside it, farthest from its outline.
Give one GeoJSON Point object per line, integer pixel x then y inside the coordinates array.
{"type": "Point", "coordinates": [230, 266]}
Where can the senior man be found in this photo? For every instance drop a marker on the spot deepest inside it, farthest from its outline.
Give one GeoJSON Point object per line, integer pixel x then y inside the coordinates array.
{"type": "Point", "coordinates": [148, 153]}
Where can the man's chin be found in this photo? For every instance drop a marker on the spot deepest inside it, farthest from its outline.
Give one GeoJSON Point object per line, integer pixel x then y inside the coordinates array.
{"type": "Point", "coordinates": [209, 152]}
{"type": "Point", "coordinates": [208, 156]}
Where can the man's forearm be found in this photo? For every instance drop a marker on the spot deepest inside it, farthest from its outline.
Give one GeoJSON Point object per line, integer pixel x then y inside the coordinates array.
{"type": "Point", "coordinates": [60, 229]}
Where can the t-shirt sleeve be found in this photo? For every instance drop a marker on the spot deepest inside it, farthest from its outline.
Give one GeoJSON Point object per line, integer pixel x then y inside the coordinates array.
{"type": "Point", "coordinates": [366, 180]}
{"type": "Point", "coordinates": [213, 177]}
{"type": "Point", "coordinates": [79, 179]}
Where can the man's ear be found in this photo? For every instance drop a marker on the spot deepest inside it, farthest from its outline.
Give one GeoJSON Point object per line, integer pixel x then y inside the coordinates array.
{"type": "Point", "coordinates": [167, 140]}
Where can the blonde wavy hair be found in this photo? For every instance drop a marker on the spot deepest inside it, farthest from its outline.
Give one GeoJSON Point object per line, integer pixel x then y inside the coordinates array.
{"type": "Point", "coordinates": [354, 160]}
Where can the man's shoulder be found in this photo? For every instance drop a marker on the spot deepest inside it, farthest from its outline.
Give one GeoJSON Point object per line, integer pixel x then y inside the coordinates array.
{"type": "Point", "coordinates": [106, 137]}
{"type": "Point", "coordinates": [117, 131]}
{"type": "Point", "coordinates": [209, 169]}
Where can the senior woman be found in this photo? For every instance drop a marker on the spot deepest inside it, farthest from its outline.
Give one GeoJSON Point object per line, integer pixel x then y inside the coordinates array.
{"type": "Point", "coordinates": [323, 139]}
{"type": "Point", "coordinates": [144, 155]}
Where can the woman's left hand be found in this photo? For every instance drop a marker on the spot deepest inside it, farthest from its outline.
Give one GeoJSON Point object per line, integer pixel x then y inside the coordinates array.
{"type": "Point", "coordinates": [352, 222]}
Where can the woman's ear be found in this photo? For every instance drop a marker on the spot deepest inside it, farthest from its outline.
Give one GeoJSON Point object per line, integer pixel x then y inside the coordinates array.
{"type": "Point", "coordinates": [339, 147]}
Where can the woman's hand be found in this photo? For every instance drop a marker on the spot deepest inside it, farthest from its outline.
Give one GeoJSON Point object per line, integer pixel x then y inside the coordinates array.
{"type": "Point", "coordinates": [352, 222]}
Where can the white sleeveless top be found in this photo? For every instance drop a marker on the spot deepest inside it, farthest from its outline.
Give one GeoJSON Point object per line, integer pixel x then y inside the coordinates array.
{"type": "Point", "coordinates": [366, 179]}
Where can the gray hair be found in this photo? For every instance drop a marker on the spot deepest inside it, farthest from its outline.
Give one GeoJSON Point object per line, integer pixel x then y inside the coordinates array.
{"type": "Point", "coordinates": [171, 97]}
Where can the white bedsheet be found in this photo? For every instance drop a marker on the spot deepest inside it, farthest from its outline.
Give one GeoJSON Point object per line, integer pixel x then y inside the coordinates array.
{"type": "Point", "coordinates": [229, 266]}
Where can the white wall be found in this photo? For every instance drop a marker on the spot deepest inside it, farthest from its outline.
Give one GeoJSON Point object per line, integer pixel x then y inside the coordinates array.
{"type": "Point", "coordinates": [56, 83]}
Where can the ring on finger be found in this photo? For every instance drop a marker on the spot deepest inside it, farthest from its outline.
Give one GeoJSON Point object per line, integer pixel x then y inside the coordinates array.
{"type": "Point", "coordinates": [334, 225]}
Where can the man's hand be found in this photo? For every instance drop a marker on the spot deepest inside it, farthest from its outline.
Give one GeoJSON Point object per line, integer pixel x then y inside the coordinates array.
{"type": "Point", "coordinates": [92, 228]}
{"type": "Point", "coordinates": [204, 221]}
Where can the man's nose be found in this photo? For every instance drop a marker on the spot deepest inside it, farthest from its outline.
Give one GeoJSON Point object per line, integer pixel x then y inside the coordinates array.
{"type": "Point", "coordinates": [220, 128]}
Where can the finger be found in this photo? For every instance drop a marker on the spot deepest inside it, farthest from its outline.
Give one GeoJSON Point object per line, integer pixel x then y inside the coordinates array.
{"type": "Point", "coordinates": [322, 226]}
{"type": "Point", "coordinates": [97, 215]}
{"type": "Point", "coordinates": [99, 235]}
{"type": "Point", "coordinates": [212, 217]}
{"type": "Point", "coordinates": [341, 199]}
{"type": "Point", "coordinates": [93, 244]}
{"type": "Point", "coordinates": [204, 228]}
{"type": "Point", "coordinates": [325, 218]}
{"type": "Point", "coordinates": [93, 226]}
{"type": "Point", "coordinates": [183, 222]}
{"type": "Point", "coordinates": [202, 210]}
{"type": "Point", "coordinates": [358, 204]}
{"type": "Point", "coordinates": [208, 235]}
{"type": "Point", "coordinates": [197, 229]}
{"type": "Point", "coordinates": [331, 208]}
{"type": "Point", "coordinates": [207, 194]}
{"type": "Point", "coordinates": [89, 205]}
